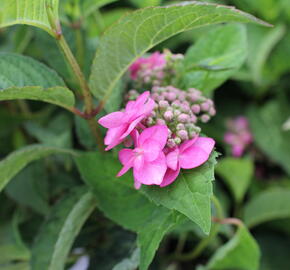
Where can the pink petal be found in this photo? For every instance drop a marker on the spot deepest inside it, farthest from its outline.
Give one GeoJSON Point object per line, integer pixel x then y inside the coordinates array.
{"type": "Point", "coordinates": [112, 120]}
{"type": "Point", "coordinates": [131, 126]}
{"type": "Point", "coordinates": [148, 107]}
{"type": "Point", "coordinates": [151, 173]}
{"type": "Point", "coordinates": [126, 157]}
{"type": "Point", "coordinates": [142, 99]}
{"type": "Point", "coordinates": [113, 136]}
{"type": "Point", "coordinates": [151, 150]}
{"type": "Point", "coordinates": [197, 154]}
{"type": "Point", "coordinates": [237, 150]}
{"type": "Point", "coordinates": [158, 133]}
{"type": "Point", "coordinates": [170, 176]}
{"type": "Point", "coordinates": [135, 136]}
{"type": "Point", "coordinates": [230, 137]}
{"type": "Point", "coordinates": [137, 184]}
{"type": "Point", "coordinates": [129, 106]}
{"type": "Point", "coordinates": [187, 144]}
{"type": "Point", "coordinates": [172, 159]}
{"type": "Point", "coordinates": [139, 162]}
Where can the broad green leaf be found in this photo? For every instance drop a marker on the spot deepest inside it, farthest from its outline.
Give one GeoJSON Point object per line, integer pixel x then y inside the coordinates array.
{"type": "Point", "coordinates": [266, 124]}
{"type": "Point", "coordinates": [138, 32]}
{"type": "Point", "coordinates": [30, 188]}
{"type": "Point", "coordinates": [123, 204]}
{"type": "Point", "coordinates": [17, 160]}
{"type": "Point", "coordinates": [224, 47]}
{"type": "Point", "coordinates": [57, 235]}
{"type": "Point", "coordinates": [57, 95]}
{"type": "Point", "coordinates": [241, 252]}
{"type": "Point", "coordinates": [267, 206]}
{"type": "Point", "coordinates": [18, 70]}
{"type": "Point", "coordinates": [190, 194]}
{"type": "Point", "coordinates": [237, 174]}
{"type": "Point", "coordinates": [31, 12]}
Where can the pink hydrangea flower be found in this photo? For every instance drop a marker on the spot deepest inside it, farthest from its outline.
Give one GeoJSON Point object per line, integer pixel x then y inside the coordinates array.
{"type": "Point", "coordinates": [155, 60]}
{"type": "Point", "coordinates": [188, 155]}
{"type": "Point", "coordinates": [238, 135]}
{"type": "Point", "coordinates": [147, 158]}
{"type": "Point", "coordinates": [121, 124]}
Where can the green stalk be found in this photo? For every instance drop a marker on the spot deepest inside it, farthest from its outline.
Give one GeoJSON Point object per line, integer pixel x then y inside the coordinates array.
{"type": "Point", "coordinates": [88, 99]}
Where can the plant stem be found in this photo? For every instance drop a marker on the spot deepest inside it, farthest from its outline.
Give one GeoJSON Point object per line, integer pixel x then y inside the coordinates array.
{"type": "Point", "coordinates": [77, 71]}
{"type": "Point", "coordinates": [88, 100]}
{"type": "Point", "coordinates": [80, 46]}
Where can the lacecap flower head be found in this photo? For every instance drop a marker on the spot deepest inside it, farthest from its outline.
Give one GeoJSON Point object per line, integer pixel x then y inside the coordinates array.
{"type": "Point", "coordinates": [157, 69]}
{"type": "Point", "coordinates": [163, 129]}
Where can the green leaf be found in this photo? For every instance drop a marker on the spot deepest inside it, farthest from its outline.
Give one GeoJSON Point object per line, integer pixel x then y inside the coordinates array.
{"type": "Point", "coordinates": [224, 47]}
{"type": "Point", "coordinates": [12, 247]}
{"type": "Point", "coordinates": [241, 252]}
{"type": "Point", "coordinates": [18, 70]}
{"type": "Point", "coordinates": [55, 133]}
{"type": "Point", "coordinates": [129, 263]}
{"type": "Point", "coordinates": [30, 188]}
{"type": "Point", "coordinates": [16, 161]}
{"type": "Point", "coordinates": [123, 204]}
{"type": "Point", "coordinates": [266, 124]}
{"type": "Point", "coordinates": [57, 235]}
{"type": "Point", "coordinates": [267, 206]}
{"type": "Point", "coordinates": [59, 96]}
{"type": "Point", "coordinates": [145, 3]}
{"type": "Point", "coordinates": [90, 6]}
{"type": "Point", "coordinates": [190, 194]}
{"type": "Point", "coordinates": [31, 12]}
{"type": "Point", "coordinates": [237, 174]}
{"type": "Point", "coordinates": [264, 48]}
{"type": "Point", "coordinates": [84, 135]}
{"type": "Point", "coordinates": [16, 266]}
{"type": "Point", "coordinates": [138, 32]}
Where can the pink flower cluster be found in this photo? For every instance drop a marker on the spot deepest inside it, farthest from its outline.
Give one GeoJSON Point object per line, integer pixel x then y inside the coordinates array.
{"type": "Point", "coordinates": [238, 136]}
{"type": "Point", "coordinates": [152, 161]}
{"type": "Point", "coordinates": [155, 70]}
{"type": "Point", "coordinates": [179, 110]}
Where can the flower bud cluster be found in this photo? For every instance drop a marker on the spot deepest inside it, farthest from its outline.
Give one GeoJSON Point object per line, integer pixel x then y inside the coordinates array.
{"type": "Point", "coordinates": [238, 135]}
{"type": "Point", "coordinates": [179, 110]}
{"type": "Point", "coordinates": [156, 70]}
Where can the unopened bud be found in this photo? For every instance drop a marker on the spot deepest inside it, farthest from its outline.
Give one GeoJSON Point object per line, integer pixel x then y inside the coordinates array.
{"type": "Point", "coordinates": [195, 109]}
{"type": "Point", "coordinates": [183, 118]}
{"type": "Point", "coordinates": [212, 111]}
{"type": "Point", "coordinates": [160, 122]}
{"type": "Point", "coordinates": [177, 112]}
{"type": "Point", "coordinates": [205, 106]}
{"type": "Point", "coordinates": [177, 140]}
{"type": "Point", "coordinates": [182, 134]}
{"type": "Point", "coordinates": [204, 118]}
{"type": "Point", "coordinates": [168, 115]}
{"type": "Point", "coordinates": [180, 126]}
{"type": "Point", "coordinates": [163, 104]}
